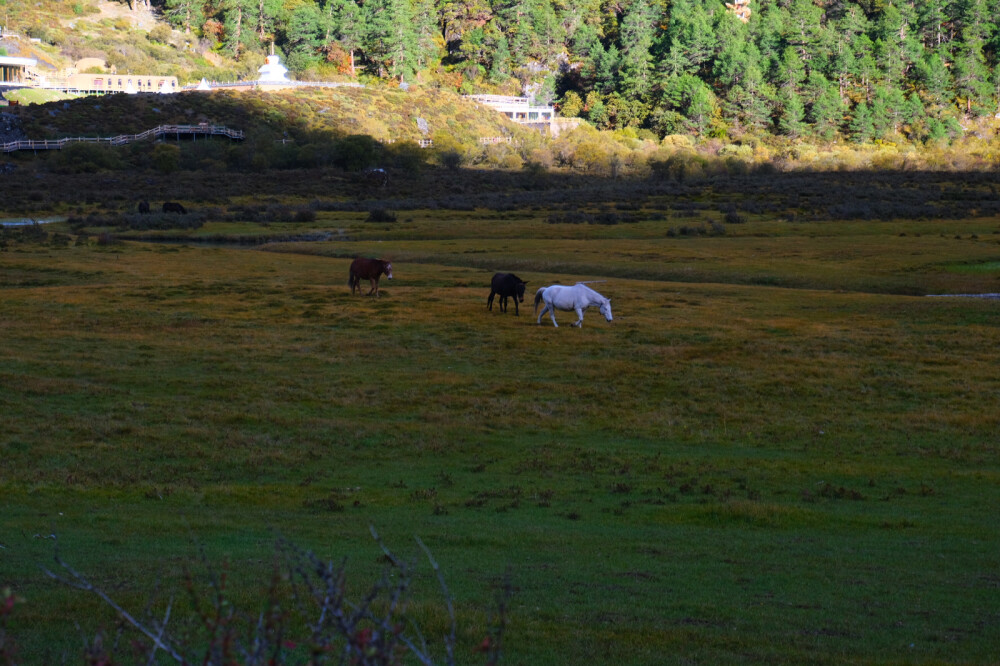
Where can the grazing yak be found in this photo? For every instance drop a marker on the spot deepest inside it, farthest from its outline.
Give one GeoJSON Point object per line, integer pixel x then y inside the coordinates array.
{"type": "Point", "coordinates": [174, 207]}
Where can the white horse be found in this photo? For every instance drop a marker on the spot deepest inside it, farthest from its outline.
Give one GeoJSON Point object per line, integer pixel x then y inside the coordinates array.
{"type": "Point", "coordinates": [579, 297]}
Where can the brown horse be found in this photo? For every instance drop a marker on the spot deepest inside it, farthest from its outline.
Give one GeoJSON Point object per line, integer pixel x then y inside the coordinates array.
{"type": "Point", "coordinates": [368, 269]}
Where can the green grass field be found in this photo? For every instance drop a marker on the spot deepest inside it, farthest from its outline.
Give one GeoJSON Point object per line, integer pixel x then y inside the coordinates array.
{"type": "Point", "coordinates": [777, 453]}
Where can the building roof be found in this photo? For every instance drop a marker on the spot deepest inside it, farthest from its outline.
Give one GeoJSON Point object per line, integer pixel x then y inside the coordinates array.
{"type": "Point", "coordinates": [23, 62]}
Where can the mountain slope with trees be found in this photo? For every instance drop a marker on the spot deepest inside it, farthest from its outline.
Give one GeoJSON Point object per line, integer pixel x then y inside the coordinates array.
{"type": "Point", "coordinates": [863, 70]}
{"type": "Point", "coordinates": [913, 71]}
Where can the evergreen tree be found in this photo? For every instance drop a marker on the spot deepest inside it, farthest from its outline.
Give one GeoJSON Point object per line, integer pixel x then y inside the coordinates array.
{"type": "Point", "coordinates": [701, 108]}
{"type": "Point", "coordinates": [886, 110]}
{"type": "Point", "coordinates": [791, 122]}
{"type": "Point", "coordinates": [185, 14]}
{"type": "Point", "coordinates": [866, 68]}
{"type": "Point", "coordinates": [691, 38]}
{"type": "Point", "coordinates": [971, 72]}
{"type": "Point", "coordinates": [635, 65]}
{"type": "Point", "coordinates": [791, 71]}
{"type": "Point", "coordinates": [546, 30]}
{"type": "Point", "coordinates": [827, 113]}
{"type": "Point", "coordinates": [239, 27]}
{"type": "Point", "coordinates": [347, 22]}
{"type": "Point", "coordinates": [500, 62]}
{"type": "Point", "coordinates": [932, 73]}
{"type": "Point", "coordinates": [511, 18]}
{"type": "Point", "coordinates": [932, 22]}
{"type": "Point", "coordinates": [803, 28]}
{"type": "Point", "coordinates": [425, 33]}
{"type": "Point", "coordinates": [390, 42]}
{"type": "Point", "coordinates": [264, 17]}
{"type": "Point", "coordinates": [844, 65]}
{"type": "Point", "coordinates": [305, 35]}
{"type": "Point", "coordinates": [861, 126]}
{"type": "Point", "coordinates": [606, 74]}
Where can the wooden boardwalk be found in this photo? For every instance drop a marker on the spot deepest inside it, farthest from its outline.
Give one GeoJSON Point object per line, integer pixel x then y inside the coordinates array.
{"type": "Point", "coordinates": [157, 132]}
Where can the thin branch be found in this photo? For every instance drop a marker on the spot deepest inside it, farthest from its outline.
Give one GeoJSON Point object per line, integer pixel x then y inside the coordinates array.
{"type": "Point", "coordinates": [83, 584]}
{"type": "Point", "coordinates": [450, 641]}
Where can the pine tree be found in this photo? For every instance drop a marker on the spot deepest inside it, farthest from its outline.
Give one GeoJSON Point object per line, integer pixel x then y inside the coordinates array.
{"type": "Point", "coordinates": [970, 70]}
{"type": "Point", "coordinates": [425, 33]}
{"type": "Point", "coordinates": [347, 22]}
{"type": "Point", "coordinates": [264, 17]}
{"type": "Point", "coordinates": [932, 73]}
{"type": "Point", "coordinates": [305, 35]}
{"type": "Point", "coordinates": [861, 126]}
{"type": "Point", "coordinates": [390, 42]}
{"type": "Point", "coordinates": [690, 35]}
{"type": "Point", "coordinates": [701, 108]}
{"type": "Point", "coordinates": [185, 14]}
{"type": "Point", "coordinates": [827, 113]}
{"type": "Point", "coordinates": [791, 122]}
{"type": "Point", "coordinates": [239, 26]}
{"type": "Point", "coordinates": [636, 41]}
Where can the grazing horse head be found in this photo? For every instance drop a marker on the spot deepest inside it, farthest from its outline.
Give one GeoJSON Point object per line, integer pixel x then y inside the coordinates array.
{"type": "Point", "coordinates": [605, 309]}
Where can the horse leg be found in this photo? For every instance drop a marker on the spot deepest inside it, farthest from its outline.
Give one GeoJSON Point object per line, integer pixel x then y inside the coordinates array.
{"type": "Point", "coordinates": [552, 313]}
{"type": "Point", "coordinates": [489, 301]}
{"type": "Point", "coordinates": [579, 318]}
{"type": "Point", "coordinates": [516, 313]}
{"type": "Point", "coordinates": [503, 303]}
{"type": "Point", "coordinates": [374, 289]}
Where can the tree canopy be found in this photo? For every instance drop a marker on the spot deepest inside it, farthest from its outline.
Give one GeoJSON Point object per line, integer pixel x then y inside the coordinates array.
{"type": "Point", "coordinates": [855, 69]}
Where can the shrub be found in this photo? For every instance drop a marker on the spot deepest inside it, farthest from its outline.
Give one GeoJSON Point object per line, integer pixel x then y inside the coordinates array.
{"type": "Point", "coordinates": [450, 159]}
{"type": "Point", "coordinates": [381, 215]}
{"type": "Point", "coordinates": [307, 616]}
{"type": "Point", "coordinates": [357, 152]}
{"type": "Point", "coordinates": [160, 33]}
{"type": "Point", "coordinates": [166, 157]}
{"type": "Point", "coordinates": [86, 158]}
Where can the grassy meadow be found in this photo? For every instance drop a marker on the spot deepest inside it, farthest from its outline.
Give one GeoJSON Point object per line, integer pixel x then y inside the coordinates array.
{"type": "Point", "coordinates": [782, 450]}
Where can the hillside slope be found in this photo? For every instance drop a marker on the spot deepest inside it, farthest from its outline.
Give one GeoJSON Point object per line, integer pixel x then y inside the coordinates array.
{"type": "Point", "coordinates": [133, 38]}
{"type": "Point", "coordinates": [385, 114]}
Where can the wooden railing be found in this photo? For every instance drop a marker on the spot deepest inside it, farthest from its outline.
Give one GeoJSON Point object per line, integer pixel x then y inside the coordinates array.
{"type": "Point", "coordinates": [122, 139]}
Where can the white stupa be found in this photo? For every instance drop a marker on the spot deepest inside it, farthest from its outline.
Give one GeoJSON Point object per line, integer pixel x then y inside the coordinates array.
{"type": "Point", "coordinates": [273, 71]}
{"type": "Point", "coordinates": [203, 85]}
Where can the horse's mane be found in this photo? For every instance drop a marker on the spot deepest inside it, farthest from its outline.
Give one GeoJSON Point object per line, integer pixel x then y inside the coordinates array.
{"type": "Point", "coordinates": [588, 289]}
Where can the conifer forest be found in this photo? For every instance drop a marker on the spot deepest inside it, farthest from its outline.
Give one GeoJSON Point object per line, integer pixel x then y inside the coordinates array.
{"type": "Point", "coordinates": [860, 70]}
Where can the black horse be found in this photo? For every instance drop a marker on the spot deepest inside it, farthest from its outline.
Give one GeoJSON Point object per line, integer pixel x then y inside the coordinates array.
{"type": "Point", "coordinates": [506, 284]}
{"type": "Point", "coordinates": [144, 207]}
{"type": "Point", "coordinates": [174, 207]}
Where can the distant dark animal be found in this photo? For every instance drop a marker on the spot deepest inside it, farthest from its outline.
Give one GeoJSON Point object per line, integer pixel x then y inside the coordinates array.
{"type": "Point", "coordinates": [368, 269]}
{"type": "Point", "coordinates": [505, 285]}
{"type": "Point", "coordinates": [376, 177]}
{"type": "Point", "coordinates": [144, 207]}
{"type": "Point", "coordinates": [174, 207]}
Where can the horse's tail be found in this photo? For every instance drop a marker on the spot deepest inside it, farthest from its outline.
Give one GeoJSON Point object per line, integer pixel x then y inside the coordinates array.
{"type": "Point", "coordinates": [538, 298]}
